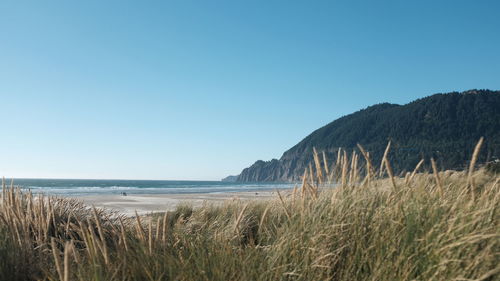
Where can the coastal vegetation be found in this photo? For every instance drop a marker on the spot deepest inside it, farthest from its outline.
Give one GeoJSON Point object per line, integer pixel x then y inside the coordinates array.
{"type": "Point", "coordinates": [373, 225]}
{"type": "Point", "coordinates": [442, 126]}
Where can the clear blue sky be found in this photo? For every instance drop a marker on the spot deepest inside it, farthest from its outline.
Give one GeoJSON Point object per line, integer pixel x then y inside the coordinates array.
{"type": "Point", "coordinates": [201, 89]}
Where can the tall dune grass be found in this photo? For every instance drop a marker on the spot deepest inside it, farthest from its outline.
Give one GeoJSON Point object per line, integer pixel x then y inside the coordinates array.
{"type": "Point", "coordinates": [420, 226]}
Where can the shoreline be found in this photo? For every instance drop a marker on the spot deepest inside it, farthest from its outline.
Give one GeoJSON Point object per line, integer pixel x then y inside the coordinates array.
{"type": "Point", "coordinates": [154, 203]}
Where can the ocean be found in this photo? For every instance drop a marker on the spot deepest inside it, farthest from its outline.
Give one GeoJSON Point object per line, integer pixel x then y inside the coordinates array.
{"type": "Point", "coordinates": [81, 187]}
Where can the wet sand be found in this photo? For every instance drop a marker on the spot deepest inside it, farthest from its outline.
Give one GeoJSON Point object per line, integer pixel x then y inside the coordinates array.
{"type": "Point", "coordinates": [148, 203]}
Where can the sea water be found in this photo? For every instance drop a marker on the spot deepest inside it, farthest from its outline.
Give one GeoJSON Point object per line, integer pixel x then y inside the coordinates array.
{"type": "Point", "coordinates": [79, 187]}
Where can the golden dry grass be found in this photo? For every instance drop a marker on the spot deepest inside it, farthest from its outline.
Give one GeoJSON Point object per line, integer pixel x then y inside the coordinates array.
{"type": "Point", "coordinates": [425, 226]}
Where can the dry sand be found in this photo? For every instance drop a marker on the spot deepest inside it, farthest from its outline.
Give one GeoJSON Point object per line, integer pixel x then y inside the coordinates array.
{"type": "Point", "coordinates": [148, 203]}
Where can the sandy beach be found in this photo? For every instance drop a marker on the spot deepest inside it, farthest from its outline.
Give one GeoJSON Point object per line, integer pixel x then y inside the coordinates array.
{"type": "Point", "coordinates": [148, 203]}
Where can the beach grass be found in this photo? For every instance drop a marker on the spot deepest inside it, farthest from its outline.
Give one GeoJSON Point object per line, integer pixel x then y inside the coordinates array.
{"type": "Point", "coordinates": [374, 225]}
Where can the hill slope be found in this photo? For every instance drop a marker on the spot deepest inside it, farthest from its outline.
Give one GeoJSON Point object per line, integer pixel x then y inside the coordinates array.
{"type": "Point", "coordinates": [443, 126]}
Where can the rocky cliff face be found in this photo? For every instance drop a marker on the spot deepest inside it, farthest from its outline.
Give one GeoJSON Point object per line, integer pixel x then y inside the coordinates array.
{"type": "Point", "coordinates": [261, 171]}
{"type": "Point", "coordinates": [230, 179]}
{"type": "Point", "coordinates": [289, 168]}
{"type": "Point", "coordinates": [443, 126]}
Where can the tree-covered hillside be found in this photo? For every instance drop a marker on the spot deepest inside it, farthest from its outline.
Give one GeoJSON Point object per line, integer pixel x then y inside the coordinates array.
{"type": "Point", "coordinates": [443, 126]}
